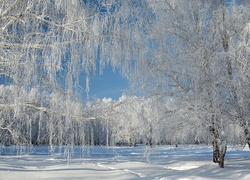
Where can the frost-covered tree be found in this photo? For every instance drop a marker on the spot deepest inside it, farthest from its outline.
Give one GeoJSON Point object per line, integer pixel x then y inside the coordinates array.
{"type": "Point", "coordinates": [199, 54]}
{"type": "Point", "coordinates": [48, 46]}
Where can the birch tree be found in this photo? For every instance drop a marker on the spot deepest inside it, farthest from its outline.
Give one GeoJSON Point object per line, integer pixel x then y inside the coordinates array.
{"type": "Point", "coordinates": [196, 56]}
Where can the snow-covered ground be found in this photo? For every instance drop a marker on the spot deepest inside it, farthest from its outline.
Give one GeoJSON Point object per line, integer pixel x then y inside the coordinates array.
{"type": "Point", "coordinates": [162, 162]}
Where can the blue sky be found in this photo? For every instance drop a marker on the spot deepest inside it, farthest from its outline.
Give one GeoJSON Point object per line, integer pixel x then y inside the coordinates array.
{"type": "Point", "coordinates": [109, 84]}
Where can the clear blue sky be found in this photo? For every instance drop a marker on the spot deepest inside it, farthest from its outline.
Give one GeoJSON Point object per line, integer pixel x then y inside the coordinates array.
{"type": "Point", "coordinates": [109, 84]}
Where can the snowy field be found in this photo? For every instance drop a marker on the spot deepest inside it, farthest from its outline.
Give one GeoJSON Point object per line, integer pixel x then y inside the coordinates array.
{"type": "Point", "coordinates": [162, 162]}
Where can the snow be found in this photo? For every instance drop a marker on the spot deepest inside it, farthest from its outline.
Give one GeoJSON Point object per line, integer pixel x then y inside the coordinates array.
{"type": "Point", "coordinates": [189, 162]}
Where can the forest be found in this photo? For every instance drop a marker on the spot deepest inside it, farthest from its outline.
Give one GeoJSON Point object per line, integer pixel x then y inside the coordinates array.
{"type": "Point", "coordinates": [187, 62]}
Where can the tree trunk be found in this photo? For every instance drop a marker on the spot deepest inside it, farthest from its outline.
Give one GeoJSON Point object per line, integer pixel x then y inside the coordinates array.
{"type": "Point", "coordinates": [219, 146]}
{"type": "Point", "coordinates": [216, 131]}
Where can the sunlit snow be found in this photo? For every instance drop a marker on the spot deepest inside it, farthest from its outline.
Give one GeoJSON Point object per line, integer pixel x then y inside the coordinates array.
{"type": "Point", "coordinates": [163, 162]}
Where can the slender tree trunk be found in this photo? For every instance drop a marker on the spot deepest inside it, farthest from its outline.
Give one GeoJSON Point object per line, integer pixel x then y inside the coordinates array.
{"type": "Point", "coordinates": [219, 146]}
{"type": "Point", "coordinates": [219, 141]}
